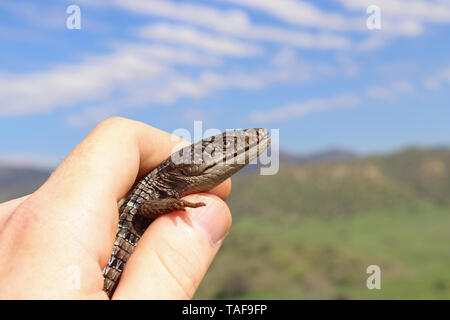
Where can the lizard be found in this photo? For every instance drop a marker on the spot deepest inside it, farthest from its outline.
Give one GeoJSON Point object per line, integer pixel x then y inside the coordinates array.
{"type": "Point", "coordinates": [196, 168]}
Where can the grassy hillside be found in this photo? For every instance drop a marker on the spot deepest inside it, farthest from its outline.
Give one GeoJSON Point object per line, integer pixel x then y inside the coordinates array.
{"type": "Point", "coordinates": [311, 231]}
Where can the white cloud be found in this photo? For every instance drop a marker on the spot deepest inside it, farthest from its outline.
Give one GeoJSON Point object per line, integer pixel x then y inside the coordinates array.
{"type": "Point", "coordinates": [435, 81]}
{"type": "Point", "coordinates": [432, 11]}
{"type": "Point", "coordinates": [404, 17]}
{"type": "Point", "coordinates": [343, 101]}
{"type": "Point", "coordinates": [96, 78]}
{"type": "Point", "coordinates": [192, 37]}
{"type": "Point", "coordinates": [302, 109]}
{"type": "Point", "coordinates": [392, 91]}
{"type": "Point", "coordinates": [171, 86]}
{"type": "Point", "coordinates": [398, 21]}
{"type": "Point", "coordinates": [65, 85]}
{"type": "Point", "coordinates": [303, 14]}
{"type": "Point", "coordinates": [232, 23]}
{"type": "Point", "coordinates": [169, 55]}
{"type": "Point", "coordinates": [372, 42]}
{"type": "Point", "coordinates": [221, 20]}
{"type": "Point", "coordinates": [285, 56]}
{"type": "Point", "coordinates": [347, 66]}
{"type": "Point", "coordinates": [296, 38]}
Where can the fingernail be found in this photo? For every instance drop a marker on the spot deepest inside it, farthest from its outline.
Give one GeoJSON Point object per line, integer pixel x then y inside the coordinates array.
{"type": "Point", "coordinates": [213, 219]}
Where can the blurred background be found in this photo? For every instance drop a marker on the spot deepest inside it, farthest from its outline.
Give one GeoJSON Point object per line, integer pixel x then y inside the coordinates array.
{"type": "Point", "coordinates": [360, 98]}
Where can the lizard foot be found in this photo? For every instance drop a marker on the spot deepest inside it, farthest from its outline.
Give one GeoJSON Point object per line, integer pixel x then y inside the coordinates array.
{"type": "Point", "coordinates": [152, 209]}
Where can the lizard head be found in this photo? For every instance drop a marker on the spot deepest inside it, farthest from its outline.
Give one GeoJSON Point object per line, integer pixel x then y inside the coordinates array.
{"type": "Point", "coordinates": [205, 164]}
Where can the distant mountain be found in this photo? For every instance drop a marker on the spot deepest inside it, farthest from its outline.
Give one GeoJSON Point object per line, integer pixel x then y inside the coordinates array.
{"type": "Point", "coordinates": [334, 154]}
{"type": "Point", "coordinates": [291, 158]}
{"type": "Point", "coordinates": [16, 182]}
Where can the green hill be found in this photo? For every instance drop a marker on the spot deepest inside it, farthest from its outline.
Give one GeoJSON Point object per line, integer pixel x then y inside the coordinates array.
{"type": "Point", "coordinates": [312, 230]}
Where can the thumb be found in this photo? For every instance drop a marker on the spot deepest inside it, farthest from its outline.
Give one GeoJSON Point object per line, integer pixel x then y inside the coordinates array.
{"type": "Point", "coordinates": [175, 252]}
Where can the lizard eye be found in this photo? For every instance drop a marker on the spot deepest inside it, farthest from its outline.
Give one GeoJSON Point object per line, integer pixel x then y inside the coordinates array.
{"type": "Point", "coordinates": [187, 170]}
{"type": "Point", "coordinates": [226, 144]}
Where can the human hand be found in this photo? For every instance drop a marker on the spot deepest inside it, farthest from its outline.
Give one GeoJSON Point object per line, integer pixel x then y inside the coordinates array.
{"type": "Point", "coordinates": [69, 224]}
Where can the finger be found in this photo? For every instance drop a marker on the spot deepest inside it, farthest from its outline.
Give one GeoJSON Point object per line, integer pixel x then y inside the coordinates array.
{"type": "Point", "coordinates": [175, 252]}
{"type": "Point", "coordinates": [7, 208]}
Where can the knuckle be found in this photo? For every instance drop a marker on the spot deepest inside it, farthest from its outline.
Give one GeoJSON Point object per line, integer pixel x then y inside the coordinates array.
{"type": "Point", "coordinates": [113, 122]}
{"type": "Point", "coordinates": [25, 216]}
{"type": "Point", "coordinates": [23, 223]}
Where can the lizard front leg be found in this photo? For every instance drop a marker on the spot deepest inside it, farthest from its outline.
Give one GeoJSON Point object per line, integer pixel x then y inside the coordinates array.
{"type": "Point", "coordinates": [152, 209]}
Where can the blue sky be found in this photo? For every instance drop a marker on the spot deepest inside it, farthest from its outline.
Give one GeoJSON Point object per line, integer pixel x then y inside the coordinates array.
{"type": "Point", "coordinates": [312, 69]}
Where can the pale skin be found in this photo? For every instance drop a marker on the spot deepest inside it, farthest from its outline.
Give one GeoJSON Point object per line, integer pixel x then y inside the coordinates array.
{"type": "Point", "coordinates": [67, 227]}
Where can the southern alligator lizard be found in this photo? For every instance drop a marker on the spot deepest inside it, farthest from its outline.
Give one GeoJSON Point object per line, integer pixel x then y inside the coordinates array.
{"type": "Point", "coordinates": [196, 168]}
